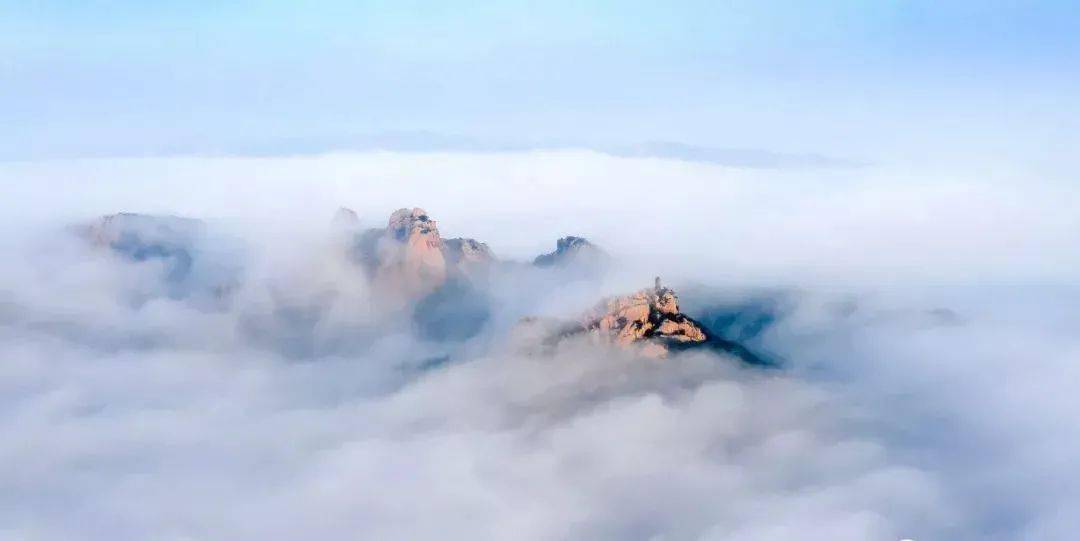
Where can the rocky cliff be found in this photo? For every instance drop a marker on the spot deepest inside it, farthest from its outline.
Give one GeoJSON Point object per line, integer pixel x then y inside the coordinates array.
{"type": "Point", "coordinates": [649, 317]}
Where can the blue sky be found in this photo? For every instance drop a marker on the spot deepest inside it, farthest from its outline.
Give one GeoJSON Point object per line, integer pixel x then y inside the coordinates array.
{"type": "Point", "coordinates": [861, 81]}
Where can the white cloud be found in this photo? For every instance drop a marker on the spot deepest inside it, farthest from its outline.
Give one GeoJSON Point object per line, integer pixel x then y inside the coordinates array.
{"type": "Point", "coordinates": [921, 398]}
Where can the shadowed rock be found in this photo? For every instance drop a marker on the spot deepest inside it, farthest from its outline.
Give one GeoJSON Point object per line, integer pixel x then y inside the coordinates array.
{"type": "Point", "coordinates": [573, 251]}
{"type": "Point", "coordinates": [179, 246]}
{"type": "Point", "coordinates": [141, 237]}
{"type": "Point", "coordinates": [468, 258]}
{"type": "Point", "coordinates": [744, 319]}
{"type": "Point", "coordinates": [454, 312]}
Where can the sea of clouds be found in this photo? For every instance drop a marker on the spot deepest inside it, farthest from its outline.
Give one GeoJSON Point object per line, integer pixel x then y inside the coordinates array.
{"type": "Point", "coordinates": [927, 324]}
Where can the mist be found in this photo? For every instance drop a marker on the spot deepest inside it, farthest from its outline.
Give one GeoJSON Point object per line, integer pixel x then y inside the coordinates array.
{"type": "Point", "coordinates": [924, 324]}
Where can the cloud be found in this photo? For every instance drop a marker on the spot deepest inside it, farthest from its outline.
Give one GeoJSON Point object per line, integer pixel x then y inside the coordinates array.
{"type": "Point", "coordinates": [926, 324]}
{"type": "Point", "coordinates": [428, 142]}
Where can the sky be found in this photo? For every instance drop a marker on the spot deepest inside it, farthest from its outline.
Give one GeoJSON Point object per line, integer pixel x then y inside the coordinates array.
{"type": "Point", "coordinates": [920, 82]}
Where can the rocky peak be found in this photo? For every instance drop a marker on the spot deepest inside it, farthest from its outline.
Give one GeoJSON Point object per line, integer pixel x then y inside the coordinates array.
{"type": "Point", "coordinates": [575, 254]}
{"type": "Point", "coordinates": [409, 256]}
{"type": "Point", "coordinates": [468, 257]}
{"type": "Point", "coordinates": [648, 321]}
{"type": "Point", "coordinates": [650, 317]}
{"type": "Point", "coordinates": [566, 249]}
{"type": "Point", "coordinates": [468, 250]}
{"type": "Point", "coordinates": [412, 225]}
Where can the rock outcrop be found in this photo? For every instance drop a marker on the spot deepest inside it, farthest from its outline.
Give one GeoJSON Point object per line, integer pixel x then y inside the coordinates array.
{"type": "Point", "coordinates": [649, 318]}
{"type": "Point", "coordinates": [468, 258]}
{"type": "Point", "coordinates": [647, 321]}
{"type": "Point", "coordinates": [573, 253]}
{"type": "Point", "coordinates": [411, 266]}
{"type": "Point", "coordinates": [409, 255]}
{"type": "Point", "coordinates": [345, 218]}
{"type": "Point", "coordinates": [410, 259]}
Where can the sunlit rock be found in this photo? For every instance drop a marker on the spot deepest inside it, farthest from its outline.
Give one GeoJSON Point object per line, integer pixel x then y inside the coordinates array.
{"type": "Point", "coordinates": [409, 259]}
{"type": "Point", "coordinates": [405, 260]}
{"type": "Point", "coordinates": [648, 321]}
{"type": "Point", "coordinates": [650, 317]}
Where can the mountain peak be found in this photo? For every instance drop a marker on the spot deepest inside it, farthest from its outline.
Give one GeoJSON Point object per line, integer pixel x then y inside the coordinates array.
{"type": "Point", "coordinates": [650, 317]}
{"type": "Point", "coordinates": [576, 255]}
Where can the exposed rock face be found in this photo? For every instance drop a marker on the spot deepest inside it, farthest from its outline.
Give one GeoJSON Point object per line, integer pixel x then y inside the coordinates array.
{"type": "Point", "coordinates": [649, 317]}
{"type": "Point", "coordinates": [449, 308]}
{"type": "Point", "coordinates": [409, 259]}
{"type": "Point", "coordinates": [469, 258]}
{"type": "Point", "coordinates": [409, 256]}
{"type": "Point", "coordinates": [468, 251]}
{"type": "Point", "coordinates": [573, 252]}
{"type": "Point", "coordinates": [648, 321]}
{"type": "Point", "coordinates": [410, 265]}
